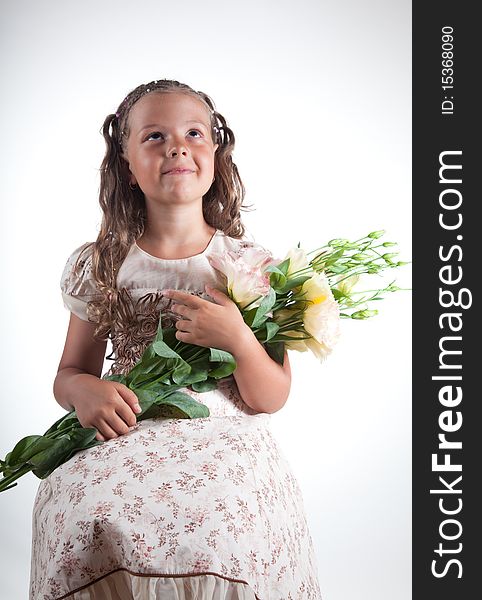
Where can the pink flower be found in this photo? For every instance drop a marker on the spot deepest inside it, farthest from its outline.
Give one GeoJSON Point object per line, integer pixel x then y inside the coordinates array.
{"type": "Point", "coordinates": [246, 281]}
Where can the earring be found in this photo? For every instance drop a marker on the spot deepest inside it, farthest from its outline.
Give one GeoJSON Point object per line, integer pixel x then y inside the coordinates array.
{"type": "Point", "coordinates": [133, 186]}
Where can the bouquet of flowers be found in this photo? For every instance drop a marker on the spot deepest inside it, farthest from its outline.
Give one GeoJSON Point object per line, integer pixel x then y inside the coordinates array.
{"type": "Point", "coordinates": [294, 303]}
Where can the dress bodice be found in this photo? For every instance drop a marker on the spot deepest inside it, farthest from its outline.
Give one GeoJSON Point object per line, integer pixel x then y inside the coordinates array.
{"type": "Point", "coordinates": [141, 280]}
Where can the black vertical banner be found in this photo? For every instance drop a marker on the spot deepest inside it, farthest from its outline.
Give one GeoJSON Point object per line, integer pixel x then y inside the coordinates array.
{"type": "Point", "coordinates": [447, 202]}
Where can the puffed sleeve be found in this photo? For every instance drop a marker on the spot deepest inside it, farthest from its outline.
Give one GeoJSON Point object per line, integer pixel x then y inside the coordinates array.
{"type": "Point", "coordinates": [78, 287]}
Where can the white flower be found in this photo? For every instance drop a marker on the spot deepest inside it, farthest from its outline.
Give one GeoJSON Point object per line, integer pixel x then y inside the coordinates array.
{"type": "Point", "coordinates": [321, 317]}
{"type": "Point", "coordinates": [298, 260]}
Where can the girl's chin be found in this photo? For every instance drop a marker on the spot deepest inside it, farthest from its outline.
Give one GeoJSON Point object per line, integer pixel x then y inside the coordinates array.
{"type": "Point", "coordinates": [177, 197]}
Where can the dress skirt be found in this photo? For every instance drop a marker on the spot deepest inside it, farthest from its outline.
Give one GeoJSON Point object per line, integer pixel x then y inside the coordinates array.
{"type": "Point", "coordinates": [176, 509]}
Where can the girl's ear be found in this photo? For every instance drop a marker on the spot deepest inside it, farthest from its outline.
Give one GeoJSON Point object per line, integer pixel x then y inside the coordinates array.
{"type": "Point", "coordinates": [216, 146]}
{"type": "Point", "coordinates": [128, 173]}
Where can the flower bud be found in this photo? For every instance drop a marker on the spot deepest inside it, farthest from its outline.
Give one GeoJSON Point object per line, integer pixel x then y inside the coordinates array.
{"type": "Point", "coordinates": [389, 244]}
{"type": "Point", "coordinates": [359, 257]}
{"type": "Point", "coordinates": [364, 314]}
{"type": "Point", "coordinates": [389, 255]}
{"type": "Point", "coordinates": [337, 242]}
{"type": "Point", "coordinates": [376, 234]}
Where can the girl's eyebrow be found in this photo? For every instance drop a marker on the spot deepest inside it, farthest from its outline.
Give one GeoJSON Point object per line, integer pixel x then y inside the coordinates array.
{"type": "Point", "coordinates": [157, 125]}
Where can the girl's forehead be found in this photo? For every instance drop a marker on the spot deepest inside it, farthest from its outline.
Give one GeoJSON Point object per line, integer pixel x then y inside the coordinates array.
{"type": "Point", "coordinates": [168, 106]}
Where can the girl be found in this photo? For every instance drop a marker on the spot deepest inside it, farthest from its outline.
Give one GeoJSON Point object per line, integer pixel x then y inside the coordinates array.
{"type": "Point", "coordinates": [168, 508]}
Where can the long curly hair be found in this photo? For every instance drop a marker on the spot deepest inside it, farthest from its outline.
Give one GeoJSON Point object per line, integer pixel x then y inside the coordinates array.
{"type": "Point", "coordinates": [124, 212]}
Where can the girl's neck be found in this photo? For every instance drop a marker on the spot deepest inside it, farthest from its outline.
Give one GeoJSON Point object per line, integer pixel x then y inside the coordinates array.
{"type": "Point", "coordinates": [176, 242]}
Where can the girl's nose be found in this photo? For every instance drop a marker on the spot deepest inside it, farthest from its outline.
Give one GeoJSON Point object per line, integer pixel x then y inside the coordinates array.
{"type": "Point", "coordinates": [177, 150]}
{"type": "Point", "coordinates": [177, 146]}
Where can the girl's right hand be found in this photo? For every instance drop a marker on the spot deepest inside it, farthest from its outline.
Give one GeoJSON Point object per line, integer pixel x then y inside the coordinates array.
{"type": "Point", "coordinates": [108, 406]}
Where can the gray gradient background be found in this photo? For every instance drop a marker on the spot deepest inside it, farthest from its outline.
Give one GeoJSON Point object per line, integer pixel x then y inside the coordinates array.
{"type": "Point", "coordinates": [318, 94]}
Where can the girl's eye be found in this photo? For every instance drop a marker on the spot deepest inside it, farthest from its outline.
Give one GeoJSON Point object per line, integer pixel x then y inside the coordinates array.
{"type": "Point", "coordinates": [156, 135]}
{"type": "Point", "coordinates": [153, 135]}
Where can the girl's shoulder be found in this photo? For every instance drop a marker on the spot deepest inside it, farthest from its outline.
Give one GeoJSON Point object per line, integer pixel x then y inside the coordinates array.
{"type": "Point", "coordinates": [77, 281]}
{"type": "Point", "coordinates": [78, 265]}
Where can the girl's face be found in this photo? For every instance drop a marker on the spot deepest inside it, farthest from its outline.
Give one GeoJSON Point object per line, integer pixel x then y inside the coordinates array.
{"type": "Point", "coordinates": [170, 131]}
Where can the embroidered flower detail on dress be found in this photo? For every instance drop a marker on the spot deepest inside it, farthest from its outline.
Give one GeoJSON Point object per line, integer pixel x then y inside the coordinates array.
{"type": "Point", "coordinates": [135, 326]}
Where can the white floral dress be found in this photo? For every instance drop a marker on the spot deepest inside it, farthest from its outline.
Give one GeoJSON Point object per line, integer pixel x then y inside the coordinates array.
{"type": "Point", "coordinates": [176, 509]}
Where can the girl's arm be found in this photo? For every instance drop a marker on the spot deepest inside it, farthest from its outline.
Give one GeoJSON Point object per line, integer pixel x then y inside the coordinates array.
{"type": "Point", "coordinates": [263, 383]}
{"type": "Point", "coordinates": [81, 356]}
{"type": "Point", "coordinates": [108, 406]}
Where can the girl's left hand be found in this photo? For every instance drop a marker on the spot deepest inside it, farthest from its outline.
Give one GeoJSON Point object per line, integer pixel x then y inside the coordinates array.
{"type": "Point", "coordinates": [212, 325]}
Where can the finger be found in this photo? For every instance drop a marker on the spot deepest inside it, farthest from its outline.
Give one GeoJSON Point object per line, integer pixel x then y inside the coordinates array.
{"type": "Point", "coordinates": [185, 311]}
{"type": "Point", "coordinates": [184, 298]}
{"type": "Point", "coordinates": [129, 397]}
{"type": "Point", "coordinates": [217, 295]}
{"type": "Point", "coordinates": [100, 437]}
{"type": "Point", "coordinates": [126, 414]}
{"type": "Point", "coordinates": [182, 336]}
{"type": "Point", "coordinates": [183, 325]}
{"type": "Point", "coordinates": [106, 431]}
{"type": "Point", "coordinates": [212, 291]}
{"type": "Point", "coordinates": [118, 424]}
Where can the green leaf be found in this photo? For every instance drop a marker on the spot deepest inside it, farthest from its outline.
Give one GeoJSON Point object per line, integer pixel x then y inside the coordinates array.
{"type": "Point", "coordinates": [265, 306]}
{"type": "Point", "coordinates": [162, 349]}
{"type": "Point", "coordinates": [181, 373]}
{"type": "Point", "coordinates": [196, 376]}
{"type": "Point", "coordinates": [217, 355]}
{"type": "Point", "coordinates": [157, 410]}
{"type": "Point", "coordinates": [249, 315]}
{"type": "Point", "coordinates": [25, 449]}
{"type": "Point", "coordinates": [159, 332]}
{"type": "Point", "coordinates": [293, 283]}
{"type": "Point", "coordinates": [337, 294]}
{"type": "Point", "coordinates": [277, 351]}
{"type": "Point", "coordinates": [155, 387]}
{"type": "Point", "coordinates": [82, 439]}
{"type": "Point", "coordinates": [204, 386]}
{"type": "Point", "coordinates": [227, 366]}
{"type": "Point", "coordinates": [185, 405]}
{"type": "Point", "coordinates": [52, 456]}
{"type": "Point", "coordinates": [148, 361]}
{"type": "Point", "coordinates": [338, 269]}
{"type": "Point", "coordinates": [282, 267]}
{"type": "Point", "coordinates": [149, 364]}
{"type": "Point", "coordinates": [277, 281]}
{"type": "Point", "coordinates": [224, 370]}
{"type": "Point", "coordinates": [146, 379]}
{"type": "Point", "coordinates": [119, 378]}
{"type": "Point", "coordinates": [72, 415]}
{"type": "Point", "coordinates": [271, 330]}
{"type": "Point", "coordinates": [146, 397]}
{"type": "Point", "coordinates": [64, 448]}
{"type": "Point", "coordinates": [170, 337]}
{"type": "Point", "coordinates": [278, 274]}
